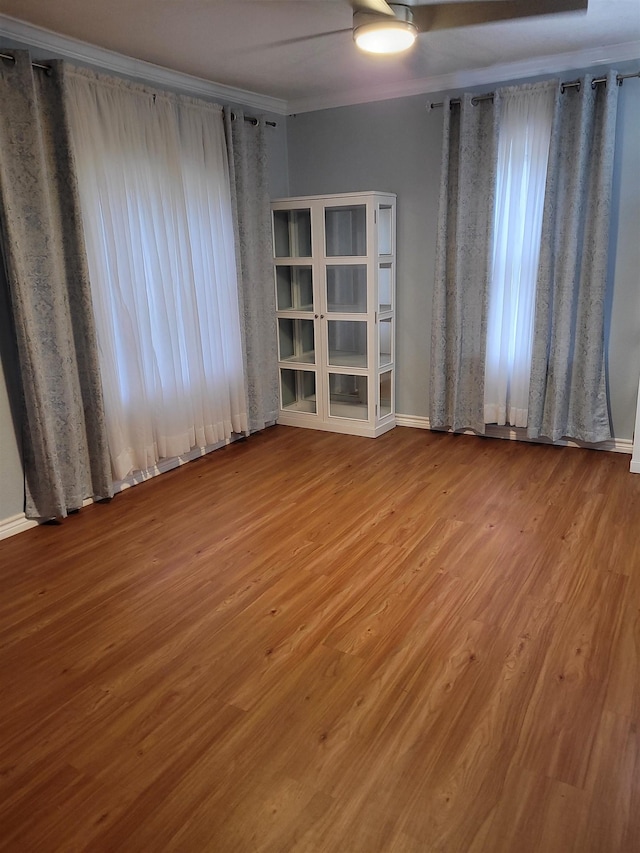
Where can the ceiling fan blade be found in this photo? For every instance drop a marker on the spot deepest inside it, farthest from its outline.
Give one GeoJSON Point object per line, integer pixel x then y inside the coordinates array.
{"type": "Point", "coordinates": [372, 7]}
{"type": "Point", "coordinates": [312, 37]}
{"type": "Point", "coordinates": [444, 16]}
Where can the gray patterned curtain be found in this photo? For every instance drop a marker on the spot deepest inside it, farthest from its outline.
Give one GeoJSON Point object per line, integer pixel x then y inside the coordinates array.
{"type": "Point", "coordinates": [66, 458]}
{"type": "Point", "coordinates": [246, 145]}
{"type": "Point", "coordinates": [568, 395]}
{"type": "Point", "coordinates": [463, 264]}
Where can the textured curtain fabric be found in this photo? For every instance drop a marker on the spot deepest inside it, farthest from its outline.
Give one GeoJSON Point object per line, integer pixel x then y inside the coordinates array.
{"type": "Point", "coordinates": [65, 443]}
{"type": "Point", "coordinates": [523, 152]}
{"type": "Point", "coordinates": [568, 395]}
{"type": "Point", "coordinates": [256, 294]}
{"type": "Point", "coordinates": [154, 190]}
{"type": "Point", "coordinates": [463, 264]}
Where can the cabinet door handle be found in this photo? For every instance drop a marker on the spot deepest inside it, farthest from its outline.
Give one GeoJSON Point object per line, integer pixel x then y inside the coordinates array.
{"type": "Point", "coordinates": [322, 316]}
{"type": "Point", "coordinates": [316, 316]}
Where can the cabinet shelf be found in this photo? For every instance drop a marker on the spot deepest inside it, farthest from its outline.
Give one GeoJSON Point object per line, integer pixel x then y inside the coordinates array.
{"type": "Point", "coordinates": [293, 312]}
{"type": "Point", "coordinates": [347, 260]}
{"type": "Point", "coordinates": [334, 268]}
{"type": "Point", "coordinates": [304, 404]}
{"type": "Point", "coordinates": [303, 358]}
{"type": "Point", "coordinates": [345, 409]}
{"type": "Point", "coordinates": [345, 308]}
{"type": "Point", "coordinates": [340, 358]}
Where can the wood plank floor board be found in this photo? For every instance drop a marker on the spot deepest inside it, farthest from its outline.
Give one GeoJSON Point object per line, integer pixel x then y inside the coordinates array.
{"type": "Point", "coordinates": [326, 644]}
{"type": "Point", "coordinates": [565, 711]}
{"type": "Point", "coordinates": [613, 781]}
{"type": "Point", "coordinates": [536, 813]}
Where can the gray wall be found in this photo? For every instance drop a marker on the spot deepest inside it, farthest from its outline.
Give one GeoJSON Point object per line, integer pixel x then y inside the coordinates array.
{"type": "Point", "coordinates": [395, 146]}
{"type": "Point", "coordinates": [623, 330]}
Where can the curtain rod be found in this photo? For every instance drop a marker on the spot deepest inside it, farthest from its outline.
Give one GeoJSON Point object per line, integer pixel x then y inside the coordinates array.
{"type": "Point", "coordinates": [47, 68]}
{"type": "Point", "coordinates": [254, 120]}
{"type": "Point", "coordinates": [33, 64]}
{"type": "Point", "coordinates": [574, 84]}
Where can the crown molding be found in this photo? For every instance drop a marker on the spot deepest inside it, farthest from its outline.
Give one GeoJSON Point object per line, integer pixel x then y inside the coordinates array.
{"type": "Point", "coordinates": [31, 36]}
{"type": "Point", "coordinates": [107, 60]}
{"type": "Point", "coordinates": [487, 76]}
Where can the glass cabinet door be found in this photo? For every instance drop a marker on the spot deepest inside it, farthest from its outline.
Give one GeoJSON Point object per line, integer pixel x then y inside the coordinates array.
{"type": "Point", "coordinates": [298, 390]}
{"type": "Point", "coordinates": [346, 288]}
{"type": "Point", "coordinates": [296, 340]}
{"type": "Point", "coordinates": [385, 229]}
{"type": "Point", "coordinates": [386, 393]}
{"type": "Point", "coordinates": [385, 278]}
{"type": "Point", "coordinates": [385, 342]}
{"type": "Point", "coordinates": [292, 233]}
{"type": "Point", "coordinates": [348, 396]}
{"type": "Point", "coordinates": [294, 288]}
{"type": "Point", "coordinates": [347, 340]}
{"type": "Point", "coordinates": [346, 231]}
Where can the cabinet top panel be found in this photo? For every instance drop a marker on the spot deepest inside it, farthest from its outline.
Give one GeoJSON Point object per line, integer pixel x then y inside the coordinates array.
{"type": "Point", "coordinates": [331, 196]}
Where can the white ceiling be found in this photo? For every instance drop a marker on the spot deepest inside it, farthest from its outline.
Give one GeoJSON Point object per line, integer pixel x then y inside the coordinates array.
{"type": "Point", "coordinates": [251, 45]}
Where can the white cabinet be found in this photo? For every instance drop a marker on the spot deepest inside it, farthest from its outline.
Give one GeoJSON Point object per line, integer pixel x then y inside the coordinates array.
{"type": "Point", "coordinates": [334, 265]}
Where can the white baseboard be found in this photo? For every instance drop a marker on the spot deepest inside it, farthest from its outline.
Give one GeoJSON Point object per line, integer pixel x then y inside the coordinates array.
{"type": "Point", "coordinates": [414, 421]}
{"type": "Point", "coordinates": [615, 445]}
{"type": "Point", "coordinates": [18, 523]}
{"type": "Point", "coordinates": [15, 524]}
{"type": "Point", "coordinates": [167, 465]}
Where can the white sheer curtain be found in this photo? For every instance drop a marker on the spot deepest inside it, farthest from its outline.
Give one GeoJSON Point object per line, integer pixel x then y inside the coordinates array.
{"type": "Point", "coordinates": [523, 151]}
{"type": "Point", "coordinates": [155, 197]}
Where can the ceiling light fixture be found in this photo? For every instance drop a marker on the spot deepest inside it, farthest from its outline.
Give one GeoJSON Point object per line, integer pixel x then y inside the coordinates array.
{"type": "Point", "coordinates": [374, 34]}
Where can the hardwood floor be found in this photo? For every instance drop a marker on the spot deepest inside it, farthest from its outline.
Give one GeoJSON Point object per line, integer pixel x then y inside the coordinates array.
{"type": "Point", "coordinates": [312, 642]}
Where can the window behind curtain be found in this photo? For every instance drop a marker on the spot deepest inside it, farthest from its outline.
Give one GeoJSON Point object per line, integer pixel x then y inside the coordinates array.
{"type": "Point", "coordinates": [523, 150]}
{"type": "Point", "coordinates": [155, 197]}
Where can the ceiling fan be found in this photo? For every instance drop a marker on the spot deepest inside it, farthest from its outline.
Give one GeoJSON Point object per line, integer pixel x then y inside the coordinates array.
{"type": "Point", "coordinates": [381, 27]}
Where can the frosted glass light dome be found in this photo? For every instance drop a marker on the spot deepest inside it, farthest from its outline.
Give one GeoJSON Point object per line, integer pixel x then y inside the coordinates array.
{"type": "Point", "coordinates": [385, 36]}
